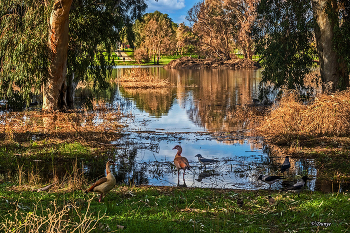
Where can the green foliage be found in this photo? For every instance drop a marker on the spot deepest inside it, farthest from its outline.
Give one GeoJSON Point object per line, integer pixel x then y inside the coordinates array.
{"type": "Point", "coordinates": [341, 40]}
{"type": "Point", "coordinates": [284, 37]}
{"type": "Point", "coordinates": [155, 32]}
{"type": "Point", "coordinates": [24, 53]}
{"type": "Point", "coordinates": [24, 58]}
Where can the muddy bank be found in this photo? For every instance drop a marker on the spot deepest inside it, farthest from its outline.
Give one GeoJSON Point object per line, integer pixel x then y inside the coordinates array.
{"type": "Point", "coordinates": [194, 63]}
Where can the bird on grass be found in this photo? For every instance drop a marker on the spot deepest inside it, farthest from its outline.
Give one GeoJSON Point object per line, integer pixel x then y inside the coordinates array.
{"type": "Point", "coordinates": [272, 201]}
{"type": "Point", "coordinates": [299, 186]}
{"type": "Point", "coordinates": [105, 184]}
{"type": "Point", "coordinates": [205, 161]}
{"type": "Point", "coordinates": [286, 164]}
{"type": "Point", "coordinates": [180, 162]}
{"type": "Point", "coordinates": [270, 179]}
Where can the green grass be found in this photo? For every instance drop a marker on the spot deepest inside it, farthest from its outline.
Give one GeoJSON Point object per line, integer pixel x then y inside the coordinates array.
{"type": "Point", "coordinates": [143, 209]}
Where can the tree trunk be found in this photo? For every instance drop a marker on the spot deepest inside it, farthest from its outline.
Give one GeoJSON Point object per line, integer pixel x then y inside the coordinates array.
{"type": "Point", "coordinates": [54, 94]}
{"type": "Point", "coordinates": [71, 85]}
{"type": "Point", "coordinates": [331, 70]}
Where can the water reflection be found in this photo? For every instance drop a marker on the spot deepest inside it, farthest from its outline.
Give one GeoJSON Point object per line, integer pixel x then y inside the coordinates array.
{"type": "Point", "coordinates": [197, 100]}
{"type": "Point", "coordinates": [198, 112]}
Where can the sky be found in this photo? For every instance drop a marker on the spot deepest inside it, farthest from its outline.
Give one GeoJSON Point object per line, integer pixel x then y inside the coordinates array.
{"type": "Point", "coordinates": [176, 9]}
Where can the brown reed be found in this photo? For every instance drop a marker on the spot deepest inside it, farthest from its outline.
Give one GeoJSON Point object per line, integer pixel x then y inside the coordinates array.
{"type": "Point", "coordinates": [327, 115]}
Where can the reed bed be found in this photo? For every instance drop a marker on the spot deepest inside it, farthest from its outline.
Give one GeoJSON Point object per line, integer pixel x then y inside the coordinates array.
{"type": "Point", "coordinates": [326, 115]}
{"type": "Point", "coordinates": [140, 78]}
{"type": "Point", "coordinates": [83, 125]}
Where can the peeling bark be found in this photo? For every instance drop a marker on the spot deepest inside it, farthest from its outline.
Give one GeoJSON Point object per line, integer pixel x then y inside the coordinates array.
{"type": "Point", "coordinates": [331, 69]}
{"type": "Point", "coordinates": [54, 93]}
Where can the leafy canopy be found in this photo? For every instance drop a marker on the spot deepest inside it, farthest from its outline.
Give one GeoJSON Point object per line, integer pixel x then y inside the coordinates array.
{"type": "Point", "coordinates": [284, 41]}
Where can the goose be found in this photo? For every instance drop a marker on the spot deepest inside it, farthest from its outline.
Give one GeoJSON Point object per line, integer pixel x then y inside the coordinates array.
{"type": "Point", "coordinates": [270, 179]}
{"type": "Point", "coordinates": [105, 184]}
{"type": "Point", "coordinates": [180, 162]}
{"type": "Point", "coordinates": [205, 161]}
{"type": "Point", "coordinates": [286, 164]}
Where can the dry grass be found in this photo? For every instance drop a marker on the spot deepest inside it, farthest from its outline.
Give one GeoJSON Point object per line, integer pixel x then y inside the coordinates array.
{"type": "Point", "coordinates": [140, 78]}
{"type": "Point", "coordinates": [327, 115]}
{"type": "Point", "coordinates": [96, 125]}
{"type": "Point", "coordinates": [58, 219]}
{"type": "Point", "coordinates": [32, 181]}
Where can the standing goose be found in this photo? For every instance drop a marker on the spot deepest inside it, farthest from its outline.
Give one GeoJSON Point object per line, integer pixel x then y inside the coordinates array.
{"type": "Point", "coordinates": [180, 162]}
{"type": "Point", "coordinates": [105, 184]}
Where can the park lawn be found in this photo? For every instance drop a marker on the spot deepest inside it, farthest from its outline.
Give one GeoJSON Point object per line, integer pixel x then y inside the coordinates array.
{"type": "Point", "coordinates": [172, 209]}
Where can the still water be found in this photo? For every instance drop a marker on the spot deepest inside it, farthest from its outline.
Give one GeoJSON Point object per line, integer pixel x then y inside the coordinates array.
{"type": "Point", "coordinates": [197, 111]}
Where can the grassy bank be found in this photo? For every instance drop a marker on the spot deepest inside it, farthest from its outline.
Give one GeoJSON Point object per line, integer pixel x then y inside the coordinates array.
{"type": "Point", "coordinates": [168, 209]}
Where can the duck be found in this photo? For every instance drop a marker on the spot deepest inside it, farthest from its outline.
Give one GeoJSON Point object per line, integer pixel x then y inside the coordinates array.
{"type": "Point", "coordinates": [105, 184]}
{"type": "Point", "coordinates": [286, 164]}
{"type": "Point", "coordinates": [270, 179]}
{"type": "Point", "coordinates": [180, 162]}
{"type": "Point", "coordinates": [205, 161]}
{"type": "Point", "coordinates": [299, 186]}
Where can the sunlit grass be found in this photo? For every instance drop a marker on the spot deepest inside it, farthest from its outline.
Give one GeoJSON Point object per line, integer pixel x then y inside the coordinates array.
{"type": "Point", "coordinates": [169, 209]}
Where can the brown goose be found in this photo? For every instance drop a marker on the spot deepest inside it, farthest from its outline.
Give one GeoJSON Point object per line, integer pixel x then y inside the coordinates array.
{"type": "Point", "coordinates": [180, 162]}
{"type": "Point", "coordinates": [105, 184]}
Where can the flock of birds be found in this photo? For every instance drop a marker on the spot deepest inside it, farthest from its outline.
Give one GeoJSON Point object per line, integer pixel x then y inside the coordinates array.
{"type": "Point", "coordinates": [105, 184]}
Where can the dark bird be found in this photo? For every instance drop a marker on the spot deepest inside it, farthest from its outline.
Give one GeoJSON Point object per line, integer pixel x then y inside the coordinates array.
{"type": "Point", "coordinates": [270, 179]}
{"type": "Point", "coordinates": [180, 162]}
{"type": "Point", "coordinates": [240, 202]}
{"type": "Point", "coordinates": [105, 184]}
{"type": "Point", "coordinates": [205, 161]}
{"type": "Point", "coordinates": [299, 186]}
{"type": "Point", "coordinates": [286, 164]}
{"type": "Point", "coordinates": [271, 200]}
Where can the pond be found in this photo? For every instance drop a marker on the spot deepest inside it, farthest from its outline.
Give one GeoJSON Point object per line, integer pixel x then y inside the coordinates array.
{"type": "Point", "coordinates": [197, 112]}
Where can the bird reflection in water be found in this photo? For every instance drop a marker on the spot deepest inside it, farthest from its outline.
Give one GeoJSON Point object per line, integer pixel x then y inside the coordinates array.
{"type": "Point", "coordinates": [205, 174]}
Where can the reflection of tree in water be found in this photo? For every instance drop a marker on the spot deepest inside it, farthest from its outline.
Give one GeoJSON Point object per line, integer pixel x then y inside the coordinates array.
{"type": "Point", "coordinates": [127, 169]}
{"type": "Point", "coordinates": [156, 102]}
{"type": "Point", "coordinates": [215, 95]}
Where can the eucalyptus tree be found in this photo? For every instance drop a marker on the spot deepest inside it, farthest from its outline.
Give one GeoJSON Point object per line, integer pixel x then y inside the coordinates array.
{"type": "Point", "coordinates": [215, 28]}
{"type": "Point", "coordinates": [286, 32]}
{"type": "Point", "coordinates": [155, 32]}
{"type": "Point", "coordinates": [185, 39]}
{"type": "Point", "coordinates": [43, 41]}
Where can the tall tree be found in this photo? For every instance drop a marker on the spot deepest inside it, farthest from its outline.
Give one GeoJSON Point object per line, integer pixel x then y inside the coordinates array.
{"type": "Point", "coordinates": [24, 54]}
{"type": "Point", "coordinates": [155, 32]}
{"type": "Point", "coordinates": [286, 31]}
{"type": "Point", "coordinates": [246, 19]}
{"type": "Point", "coordinates": [36, 62]}
{"type": "Point", "coordinates": [331, 22]}
{"type": "Point", "coordinates": [215, 27]}
{"type": "Point", "coordinates": [185, 40]}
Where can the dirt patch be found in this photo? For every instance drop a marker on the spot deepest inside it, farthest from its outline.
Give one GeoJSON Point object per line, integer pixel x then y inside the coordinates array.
{"type": "Point", "coordinates": [194, 63]}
